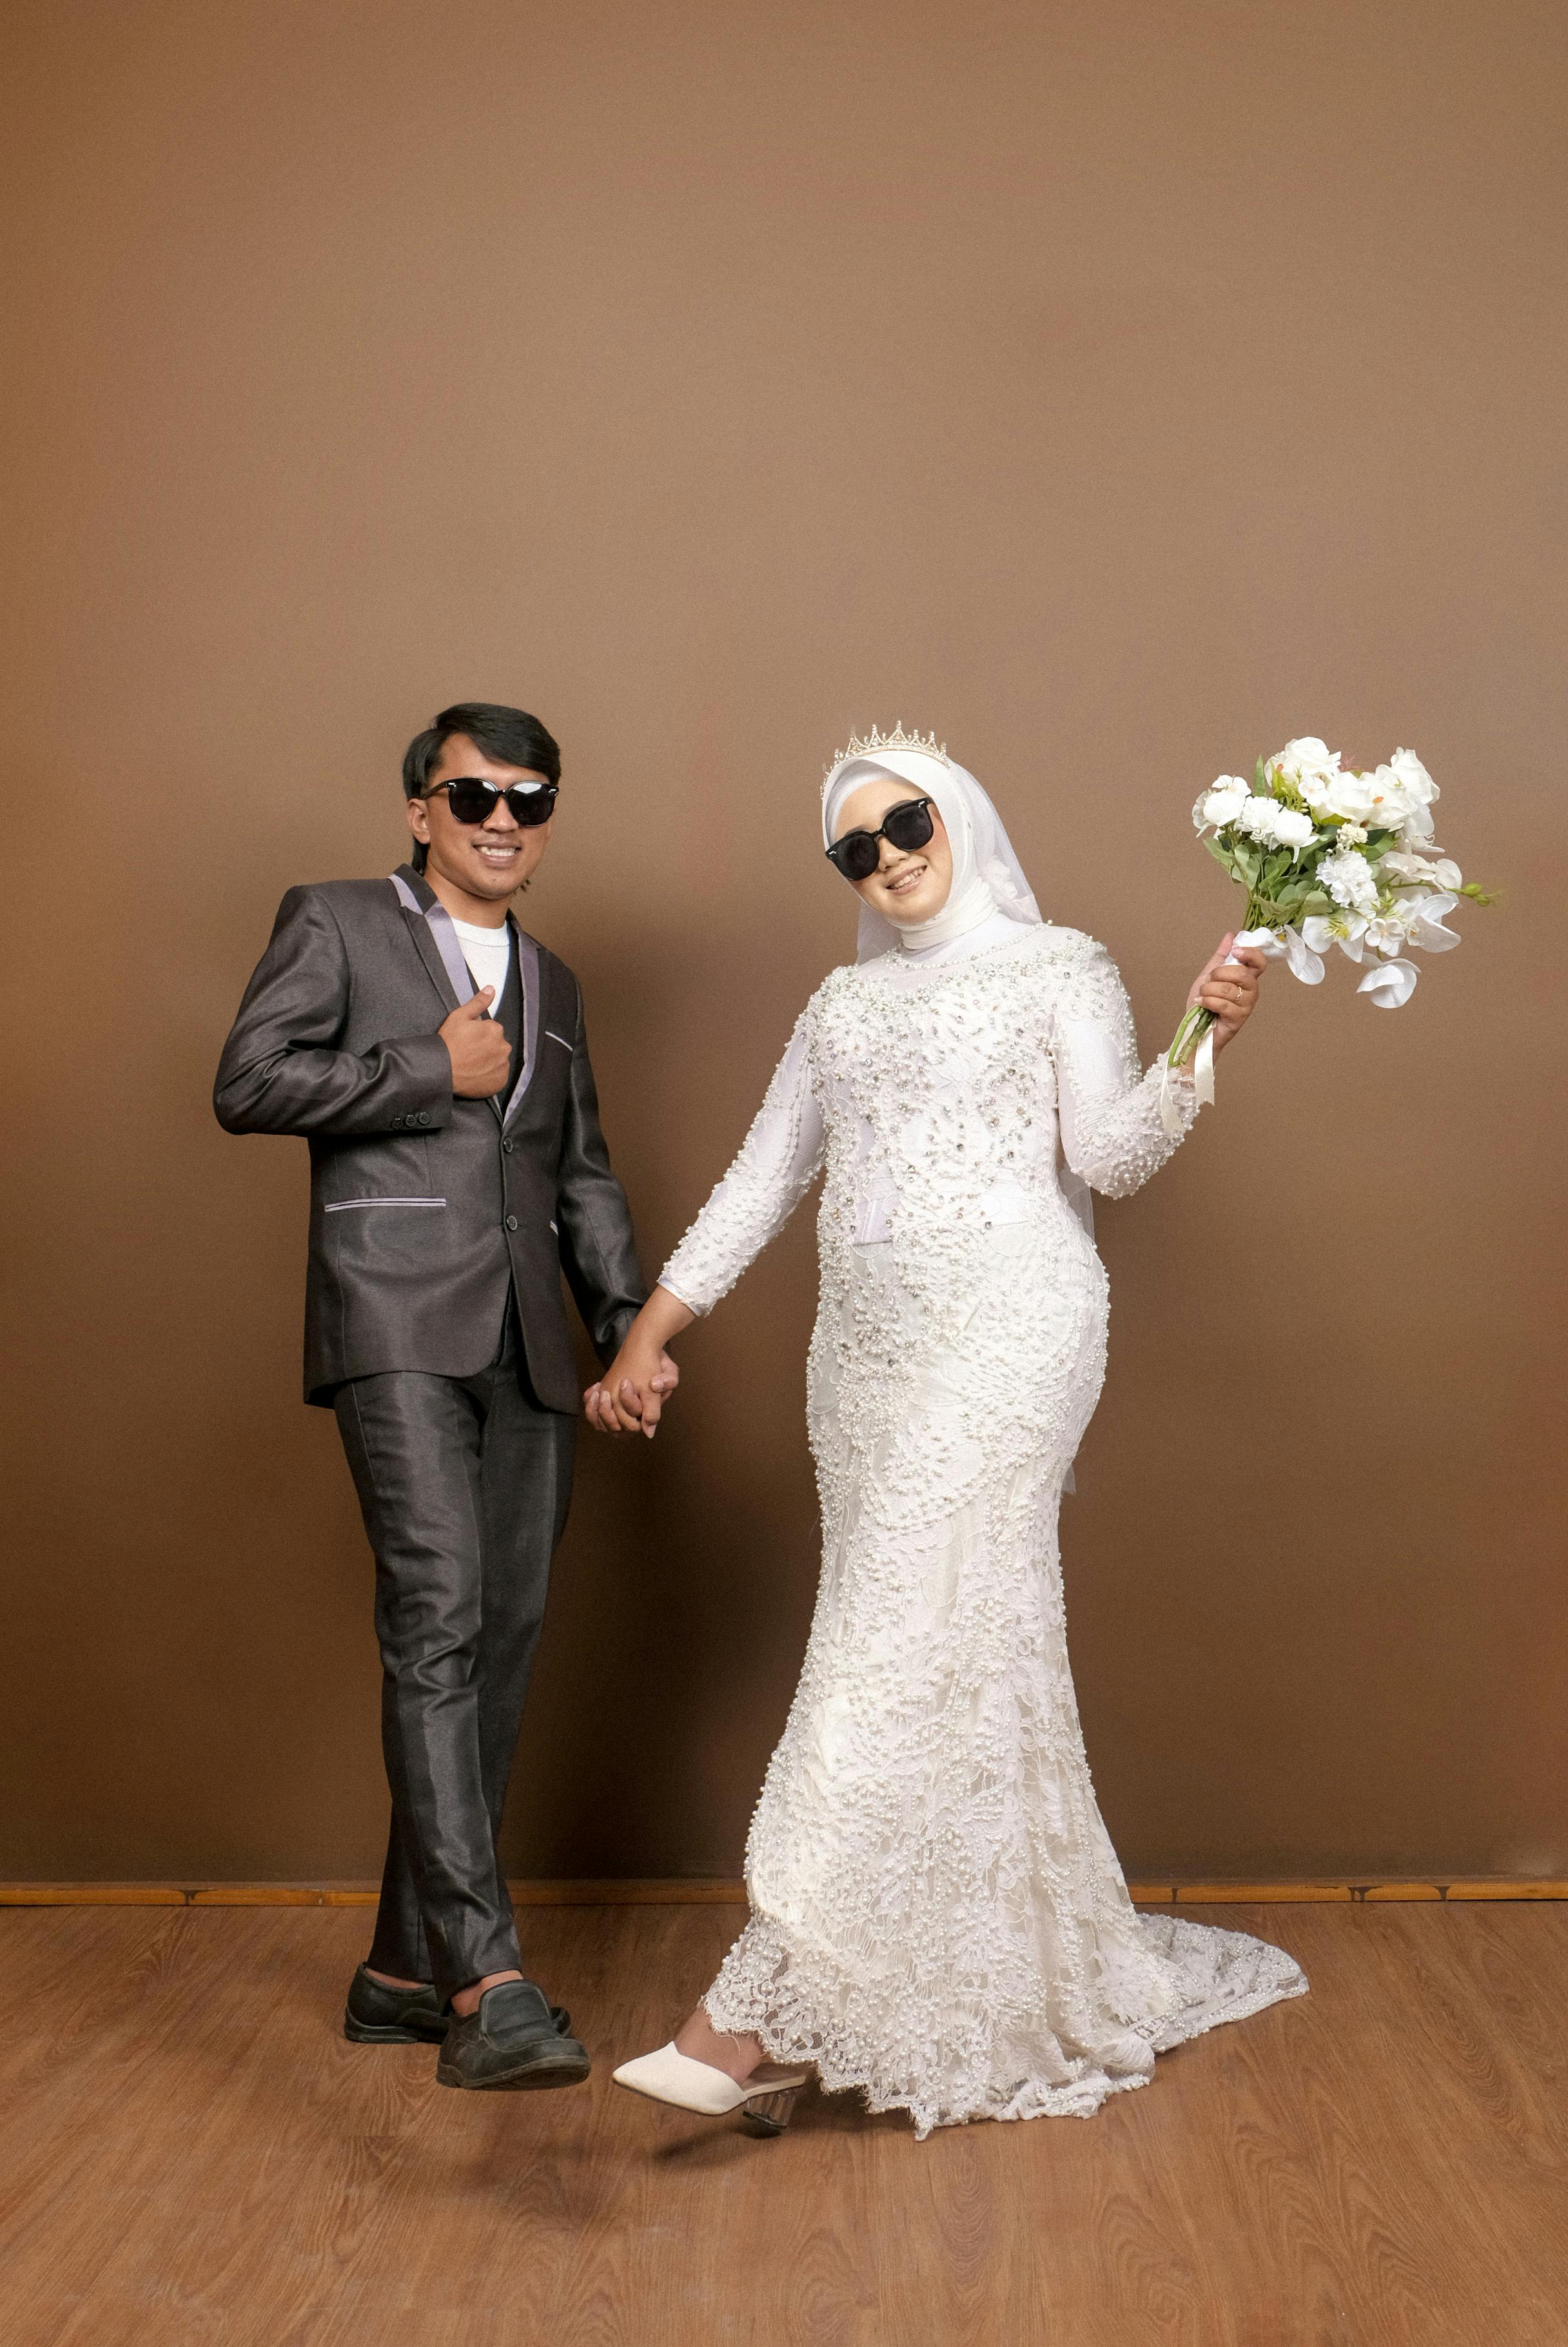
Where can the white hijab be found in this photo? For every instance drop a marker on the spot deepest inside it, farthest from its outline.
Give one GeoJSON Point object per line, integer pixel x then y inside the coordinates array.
{"type": "Point", "coordinates": [987, 876]}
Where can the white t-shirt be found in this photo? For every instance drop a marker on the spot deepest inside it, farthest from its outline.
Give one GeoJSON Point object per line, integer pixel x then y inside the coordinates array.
{"type": "Point", "coordinates": [488, 954]}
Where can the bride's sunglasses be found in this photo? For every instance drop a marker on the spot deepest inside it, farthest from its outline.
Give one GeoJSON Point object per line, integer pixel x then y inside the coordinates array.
{"type": "Point", "coordinates": [472, 801]}
{"type": "Point", "coordinates": [907, 826]}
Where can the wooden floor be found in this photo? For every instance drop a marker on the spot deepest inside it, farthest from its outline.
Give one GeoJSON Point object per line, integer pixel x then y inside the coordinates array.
{"type": "Point", "coordinates": [190, 2152]}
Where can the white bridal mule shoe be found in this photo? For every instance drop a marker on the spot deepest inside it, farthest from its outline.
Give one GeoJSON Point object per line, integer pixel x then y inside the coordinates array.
{"type": "Point", "coordinates": [668, 2076]}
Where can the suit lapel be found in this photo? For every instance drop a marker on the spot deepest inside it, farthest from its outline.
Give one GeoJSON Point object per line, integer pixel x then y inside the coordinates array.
{"type": "Point", "coordinates": [529, 977]}
{"type": "Point", "coordinates": [429, 925]}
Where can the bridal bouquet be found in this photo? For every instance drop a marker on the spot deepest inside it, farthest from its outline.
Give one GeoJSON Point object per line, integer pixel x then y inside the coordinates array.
{"type": "Point", "coordinates": [1329, 857]}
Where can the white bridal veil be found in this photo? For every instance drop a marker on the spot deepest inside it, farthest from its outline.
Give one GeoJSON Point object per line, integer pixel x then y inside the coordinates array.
{"type": "Point", "coordinates": [987, 876]}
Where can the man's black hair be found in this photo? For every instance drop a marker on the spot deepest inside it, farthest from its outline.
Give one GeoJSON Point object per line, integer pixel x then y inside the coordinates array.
{"type": "Point", "coordinates": [509, 736]}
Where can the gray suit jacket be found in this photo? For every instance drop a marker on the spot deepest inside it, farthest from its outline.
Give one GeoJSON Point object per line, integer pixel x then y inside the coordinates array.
{"type": "Point", "coordinates": [424, 1206]}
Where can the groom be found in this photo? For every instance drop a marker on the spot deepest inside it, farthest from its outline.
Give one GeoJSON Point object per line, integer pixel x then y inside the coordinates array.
{"type": "Point", "coordinates": [433, 1055]}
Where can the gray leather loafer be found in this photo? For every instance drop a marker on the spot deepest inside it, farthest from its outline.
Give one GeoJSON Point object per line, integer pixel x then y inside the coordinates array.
{"type": "Point", "coordinates": [510, 2041]}
{"type": "Point", "coordinates": [375, 2014]}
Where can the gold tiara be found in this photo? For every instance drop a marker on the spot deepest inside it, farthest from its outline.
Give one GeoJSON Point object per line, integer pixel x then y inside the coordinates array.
{"type": "Point", "coordinates": [896, 740]}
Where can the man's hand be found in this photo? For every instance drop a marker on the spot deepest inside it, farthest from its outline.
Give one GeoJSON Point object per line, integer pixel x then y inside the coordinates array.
{"type": "Point", "coordinates": [629, 1398]}
{"type": "Point", "coordinates": [478, 1051]}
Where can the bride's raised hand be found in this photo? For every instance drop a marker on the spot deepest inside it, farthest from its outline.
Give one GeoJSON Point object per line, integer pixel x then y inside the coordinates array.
{"type": "Point", "coordinates": [1227, 985]}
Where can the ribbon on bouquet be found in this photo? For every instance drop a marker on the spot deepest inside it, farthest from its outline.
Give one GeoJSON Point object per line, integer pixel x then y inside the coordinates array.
{"type": "Point", "coordinates": [1203, 1085]}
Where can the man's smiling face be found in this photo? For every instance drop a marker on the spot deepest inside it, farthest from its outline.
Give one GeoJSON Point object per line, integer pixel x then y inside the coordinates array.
{"type": "Point", "coordinates": [488, 861]}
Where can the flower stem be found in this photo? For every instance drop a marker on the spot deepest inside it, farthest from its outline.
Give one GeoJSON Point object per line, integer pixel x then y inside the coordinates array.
{"type": "Point", "coordinates": [1188, 1035]}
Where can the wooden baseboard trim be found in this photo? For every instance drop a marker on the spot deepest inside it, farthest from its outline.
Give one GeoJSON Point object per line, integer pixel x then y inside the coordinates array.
{"type": "Point", "coordinates": [1295, 1894]}
{"type": "Point", "coordinates": [714, 1891]}
{"type": "Point", "coordinates": [673, 1891]}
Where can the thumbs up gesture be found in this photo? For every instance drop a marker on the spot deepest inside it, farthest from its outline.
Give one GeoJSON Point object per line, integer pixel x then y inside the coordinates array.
{"type": "Point", "coordinates": [478, 1051]}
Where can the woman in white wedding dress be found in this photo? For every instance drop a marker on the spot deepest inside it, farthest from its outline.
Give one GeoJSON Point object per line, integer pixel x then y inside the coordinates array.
{"type": "Point", "coordinates": [937, 1916]}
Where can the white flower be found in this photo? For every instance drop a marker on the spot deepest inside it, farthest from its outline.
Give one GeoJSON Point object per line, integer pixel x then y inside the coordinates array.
{"type": "Point", "coordinates": [1400, 795]}
{"type": "Point", "coordinates": [1413, 920]}
{"type": "Point", "coordinates": [1346, 930]}
{"type": "Point", "coordinates": [1423, 920]}
{"type": "Point", "coordinates": [1417, 791]}
{"type": "Point", "coordinates": [1415, 781]}
{"type": "Point", "coordinates": [1349, 879]}
{"type": "Point", "coordinates": [1420, 871]}
{"type": "Point", "coordinates": [1354, 797]}
{"type": "Point", "coordinates": [1223, 803]}
{"type": "Point", "coordinates": [1292, 828]}
{"type": "Point", "coordinates": [1273, 825]}
{"type": "Point", "coordinates": [1388, 932]}
{"type": "Point", "coordinates": [1310, 765]}
{"type": "Point", "coordinates": [1351, 835]}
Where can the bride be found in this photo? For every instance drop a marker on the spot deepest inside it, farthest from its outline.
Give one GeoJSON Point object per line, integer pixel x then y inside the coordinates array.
{"type": "Point", "coordinates": [937, 1916]}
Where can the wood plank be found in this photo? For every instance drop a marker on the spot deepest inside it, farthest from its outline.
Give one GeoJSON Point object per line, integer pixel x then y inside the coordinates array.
{"type": "Point", "coordinates": [1376, 1891]}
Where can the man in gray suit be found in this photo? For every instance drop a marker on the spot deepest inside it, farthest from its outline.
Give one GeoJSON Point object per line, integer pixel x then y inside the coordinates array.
{"type": "Point", "coordinates": [433, 1055]}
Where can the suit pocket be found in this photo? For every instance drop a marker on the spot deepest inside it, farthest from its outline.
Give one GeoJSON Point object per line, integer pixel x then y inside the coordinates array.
{"type": "Point", "coordinates": [360, 1205]}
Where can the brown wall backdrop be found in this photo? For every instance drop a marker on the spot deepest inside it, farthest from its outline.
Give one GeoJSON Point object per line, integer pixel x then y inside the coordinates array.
{"type": "Point", "coordinates": [1118, 391]}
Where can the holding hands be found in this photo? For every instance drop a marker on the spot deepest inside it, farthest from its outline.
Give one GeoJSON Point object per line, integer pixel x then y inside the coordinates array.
{"type": "Point", "coordinates": [630, 1396]}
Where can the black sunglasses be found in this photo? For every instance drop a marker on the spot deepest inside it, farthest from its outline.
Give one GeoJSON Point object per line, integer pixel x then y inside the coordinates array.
{"type": "Point", "coordinates": [472, 801]}
{"type": "Point", "coordinates": [907, 825]}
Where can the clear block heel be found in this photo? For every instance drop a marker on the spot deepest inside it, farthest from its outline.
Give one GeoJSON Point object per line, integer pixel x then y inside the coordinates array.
{"type": "Point", "coordinates": [771, 2114]}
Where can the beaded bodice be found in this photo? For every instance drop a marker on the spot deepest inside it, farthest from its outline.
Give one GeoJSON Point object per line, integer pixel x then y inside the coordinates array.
{"type": "Point", "coordinates": [937, 1098]}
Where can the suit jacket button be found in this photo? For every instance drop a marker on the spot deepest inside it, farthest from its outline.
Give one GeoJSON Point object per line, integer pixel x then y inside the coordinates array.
{"type": "Point", "coordinates": [511, 1222]}
{"type": "Point", "coordinates": [424, 1116]}
{"type": "Point", "coordinates": [396, 1120]}
{"type": "Point", "coordinates": [507, 1147]}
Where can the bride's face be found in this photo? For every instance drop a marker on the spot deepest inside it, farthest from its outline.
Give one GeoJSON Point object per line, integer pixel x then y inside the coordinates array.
{"type": "Point", "coordinates": [909, 884]}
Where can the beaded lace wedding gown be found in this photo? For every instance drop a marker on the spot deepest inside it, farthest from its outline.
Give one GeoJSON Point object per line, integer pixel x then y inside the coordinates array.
{"type": "Point", "coordinates": [938, 1914]}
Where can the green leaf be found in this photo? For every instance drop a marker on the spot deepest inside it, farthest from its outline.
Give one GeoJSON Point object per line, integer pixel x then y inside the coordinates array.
{"type": "Point", "coordinates": [1259, 781]}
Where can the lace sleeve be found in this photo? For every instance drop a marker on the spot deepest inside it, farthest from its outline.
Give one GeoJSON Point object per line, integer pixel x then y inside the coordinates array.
{"type": "Point", "coordinates": [777, 1162]}
{"type": "Point", "coordinates": [1109, 1114]}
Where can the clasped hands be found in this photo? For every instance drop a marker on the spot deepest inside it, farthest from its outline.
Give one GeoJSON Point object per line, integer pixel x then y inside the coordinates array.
{"type": "Point", "coordinates": [629, 1398]}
